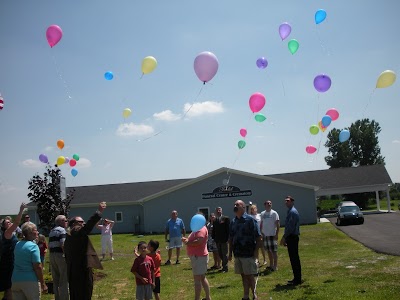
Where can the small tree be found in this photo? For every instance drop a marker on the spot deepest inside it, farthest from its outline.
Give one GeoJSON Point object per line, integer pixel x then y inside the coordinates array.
{"type": "Point", "coordinates": [46, 193]}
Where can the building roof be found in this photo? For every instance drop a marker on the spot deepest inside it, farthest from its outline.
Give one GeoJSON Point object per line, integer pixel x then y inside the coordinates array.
{"type": "Point", "coordinates": [342, 180]}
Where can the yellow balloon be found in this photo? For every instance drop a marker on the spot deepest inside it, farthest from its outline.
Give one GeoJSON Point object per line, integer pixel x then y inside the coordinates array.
{"type": "Point", "coordinates": [149, 63]}
{"type": "Point", "coordinates": [127, 112]}
{"type": "Point", "coordinates": [60, 160]}
{"type": "Point", "coordinates": [387, 78]}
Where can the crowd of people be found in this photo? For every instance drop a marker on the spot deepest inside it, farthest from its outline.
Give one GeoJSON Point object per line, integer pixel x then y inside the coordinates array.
{"type": "Point", "coordinates": [73, 257]}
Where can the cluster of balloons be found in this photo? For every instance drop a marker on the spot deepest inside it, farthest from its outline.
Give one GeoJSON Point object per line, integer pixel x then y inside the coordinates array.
{"type": "Point", "coordinates": [197, 222]}
{"type": "Point", "coordinates": [1, 102]}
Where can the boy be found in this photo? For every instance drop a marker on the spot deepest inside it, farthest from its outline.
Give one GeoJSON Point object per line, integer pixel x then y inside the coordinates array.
{"type": "Point", "coordinates": [155, 255]}
{"type": "Point", "coordinates": [143, 269]}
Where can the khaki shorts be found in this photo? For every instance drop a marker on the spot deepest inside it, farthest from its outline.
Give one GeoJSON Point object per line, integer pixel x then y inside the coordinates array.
{"type": "Point", "coordinates": [245, 265]}
{"type": "Point", "coordinates": [199, 264]}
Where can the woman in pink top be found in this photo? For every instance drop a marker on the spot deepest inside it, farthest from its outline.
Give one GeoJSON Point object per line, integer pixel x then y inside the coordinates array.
{"type": "Point", "coordinates": [196, 248]}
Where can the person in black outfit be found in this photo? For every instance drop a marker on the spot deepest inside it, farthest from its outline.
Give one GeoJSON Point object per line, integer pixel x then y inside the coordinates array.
{"type": "Point", "coordinates": [220, 235]}
{"type": "Point", "coordinates": [291, 239]}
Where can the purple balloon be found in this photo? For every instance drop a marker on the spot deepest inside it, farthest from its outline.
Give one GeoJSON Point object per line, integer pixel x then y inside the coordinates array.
{"type": "Point", "coordinates": [322, 83]}
{"type": "Point", "coordinates": [262, 63]}
{"type": "Point", "coordinates": [206, 66]}
{"type": "Point", "coordinates": [284, 30]}
{"type": "Point", "coordinates": [43, 158]}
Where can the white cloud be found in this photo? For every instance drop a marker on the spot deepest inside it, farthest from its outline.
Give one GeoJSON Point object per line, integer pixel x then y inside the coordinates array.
{"type": "Point", "coordinates": [83, 163]}
{"type": "Point", "coordinates": [396, 142]}
{"type": "Point", "coordinates": [49, 148]}
{"type": "Point", "coordinates": [130, 129]}
{"type": "Point", "coordinates": [202, 108]}
{"type": "Point", "coordinates": [166, 115]}
{"type": "Point", "coordinates": [30, 163]}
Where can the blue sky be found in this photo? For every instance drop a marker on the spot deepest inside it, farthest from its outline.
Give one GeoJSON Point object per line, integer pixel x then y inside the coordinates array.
{"type": "Point", "coordinates": [60, 92]}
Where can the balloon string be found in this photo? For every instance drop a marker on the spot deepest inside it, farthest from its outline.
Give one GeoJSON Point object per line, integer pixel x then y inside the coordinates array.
{"type": "Point", "coordinates": [183, 116]}
{"type": "Point", "coordinates": [324, 49]}
{"type": "Point", "coordinates": [368, 103]}
{"type": "Point", "coordinates": [61, 77]}
{"type": "Point", "coordinates": [228, 173]}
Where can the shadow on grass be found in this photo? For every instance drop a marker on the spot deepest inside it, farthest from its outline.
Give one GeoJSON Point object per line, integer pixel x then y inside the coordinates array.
{"type": "Point", "coordinates": [286, 287]}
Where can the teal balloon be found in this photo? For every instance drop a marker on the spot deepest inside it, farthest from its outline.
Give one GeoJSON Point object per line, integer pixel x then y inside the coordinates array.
{"type": "Point", "coordinates": [76, 157]}
{"type": "Point", "coordinates": [320, 16]}
{"type": "Point", "coordinates": [197, 222]}
{"type": "Point", "coordinates": [260, 118]}
{"type": "Point", "coordinates": [241, 144]}
{"type": "Point", "coordinates": [74, 172]}
{"type": "Point", "coordinates": [293, 46]}
{"type": "Point", "coordinates": [314, 129]}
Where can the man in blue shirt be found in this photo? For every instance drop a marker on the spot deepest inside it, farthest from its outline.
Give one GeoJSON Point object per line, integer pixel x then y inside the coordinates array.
{"type": "Point", "coordinates": [291, 239]}
{"type": "Point", "coordinates": [176, 229]}
{"type": "Point", "coordinates": [244, 242]}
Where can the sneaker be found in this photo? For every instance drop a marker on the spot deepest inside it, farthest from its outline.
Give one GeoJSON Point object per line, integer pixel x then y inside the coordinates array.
{"type": "Point", "coordinates": [168, 262]}
{"type": "Point", "coordinates": [224, 270]}
{"type": "Point", "coordinates": [112, 258]}
{"type": "Point", "coordinates": [177, 262]}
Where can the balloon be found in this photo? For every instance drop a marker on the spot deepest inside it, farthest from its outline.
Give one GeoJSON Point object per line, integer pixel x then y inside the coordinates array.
{"type": "Point", "coordinates": [206, 66]}
{"type": "Point", "coordinates": [66, 160]}
{"type": "Point", "coordinates": [76, 157]}
{"type": "Point", "coordinates": [322, 127]}
{"type": "Point", "coordinates": [322, 83]}
{"type": "Point", "coordinates": [126, 113]}
{"type": "Point", "coordinates": [293, 46]}
{"type": "Point", "coordinates": [72, 162]}
{"type": "Point", "coordinates": [262, 63]}
{"type": "Point", "coordinates": [320, 16]}
{"type": "Point", "coordinates": [197, 222]}
{"type": "Point", "coordinates": [344, 135]}
{"type": "Point", "coordinates": [53, 35]}
{"type": "Point", "coordinates": [310, 149]}
{"type": "Point", "coordinates": [243, 132]}
{"type": "Point", "coordinates": [1, 102]}
{"type": "Point", "coordinates": [149, 63]}
{"type": "Point", "coordinates": [60, 144]}
{"type": "Point", "coordinates": [108, 75]}
{"type": "Point", "coordinates": [241, 144]}
{"type": "Point", "coordinates": [60, 160]}
{"type": "Point", "coordinates": [326, 121]}
{"type": "Point", "coordinates": [314, 129]}
{"type": "Point", "coordinates": [284, 30]}
{"type": "Point", "coordinates": [387, 78]}
{"type": "Point", "coordinates": [74, 172]}
{"type": "Point", "coordinates": [256, 102]}
{"type": "Point", "coordinates": [333, 113]}
{"type": "Point", "coordinates": [260, 117]}
{"type": "Point", "coordinates": [43, 158]}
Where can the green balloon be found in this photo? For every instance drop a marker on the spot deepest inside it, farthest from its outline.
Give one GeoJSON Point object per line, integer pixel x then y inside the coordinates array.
{"type": "Point", "coordinates": [314, 129]}
{"type": "Point", "coordinates": [260, 117]}
{"type": "Point", "coordinates": [293, 46]}
{"type": "Point", "coordinates": [76, 157]}
{"type": "Point", "coordinates": [241, 144]}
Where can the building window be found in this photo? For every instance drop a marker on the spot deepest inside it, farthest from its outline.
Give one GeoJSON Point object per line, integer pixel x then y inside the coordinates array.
{"type": "Point", "coordinates": [118, 217]}
{"type": "Point", "coordinates": [205, 211]}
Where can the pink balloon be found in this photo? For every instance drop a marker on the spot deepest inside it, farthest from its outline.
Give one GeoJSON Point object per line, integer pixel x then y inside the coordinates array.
{"type": "Point", "coordinates": [53, 35]}
{"type": "Point", "coordinates": [72, 162]}
{"type": "Point", "coordinates": [256, 102]}
{"type": "Point", "coordinates": [243, 132]}
{"type": "Point", "coordinates": [310, 149]}
{"type": "Point", "coordinates": [333, 113]}
{"type": "Point", "coordinates": [206, 66]}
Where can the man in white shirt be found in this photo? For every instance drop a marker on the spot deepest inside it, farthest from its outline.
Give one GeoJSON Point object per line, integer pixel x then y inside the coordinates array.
{"type": "Point", "coordinates": [270, 230]}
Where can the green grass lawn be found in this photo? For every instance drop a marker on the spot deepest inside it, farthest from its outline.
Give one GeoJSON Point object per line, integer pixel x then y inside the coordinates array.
{"type": "Point", "coordinates": [334, 267]}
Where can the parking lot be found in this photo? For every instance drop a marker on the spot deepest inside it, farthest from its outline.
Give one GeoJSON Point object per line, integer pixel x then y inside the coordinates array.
{"type": "Point", "coordinates": [380, 232]}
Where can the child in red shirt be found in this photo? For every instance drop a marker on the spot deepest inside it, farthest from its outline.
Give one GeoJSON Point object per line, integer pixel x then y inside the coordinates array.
{"type": "Point", "coordinates": [143, 269]}
{"type": "Point", "coordinates": [155, 255]}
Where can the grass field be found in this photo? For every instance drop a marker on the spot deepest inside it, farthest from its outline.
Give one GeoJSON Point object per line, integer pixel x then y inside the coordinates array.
{"type": "Point", "coordinates": [334, 267]}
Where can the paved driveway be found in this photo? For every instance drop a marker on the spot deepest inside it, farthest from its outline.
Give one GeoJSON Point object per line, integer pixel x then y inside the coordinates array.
{"type": "Point", "coordinates": [380, 232]}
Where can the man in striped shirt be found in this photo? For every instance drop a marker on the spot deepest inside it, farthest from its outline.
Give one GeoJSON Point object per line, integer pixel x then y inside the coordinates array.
{"type": "Point", "coordinates": [57, 260]}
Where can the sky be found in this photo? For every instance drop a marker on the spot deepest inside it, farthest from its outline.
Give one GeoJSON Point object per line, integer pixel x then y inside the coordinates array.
{"type": "Point", "coordinates": [179, 127]}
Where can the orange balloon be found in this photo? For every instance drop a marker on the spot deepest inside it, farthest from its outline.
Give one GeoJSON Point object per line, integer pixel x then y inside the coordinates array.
{"type": "Point", "coordinates": [60, 144]}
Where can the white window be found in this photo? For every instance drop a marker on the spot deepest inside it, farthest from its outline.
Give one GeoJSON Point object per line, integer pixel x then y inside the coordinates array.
{"type": "Point", "coordinates": [118, 217]}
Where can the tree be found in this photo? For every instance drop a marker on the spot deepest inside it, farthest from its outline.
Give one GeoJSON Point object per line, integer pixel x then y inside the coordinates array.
{"type": "Point", "coordinates": [361, 149]}
{"type": "Point", "coordinates": [46, 193]}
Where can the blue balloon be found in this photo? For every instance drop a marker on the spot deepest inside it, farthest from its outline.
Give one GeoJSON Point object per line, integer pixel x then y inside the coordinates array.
{"type": "Point", "coordinates": [326, 120]}
{"type": "Point", "coordinates": [197, 222]}
{"type": "Point", "coordinates": [108, 75]}
{"type": "Point", "coordinates": [74, 172]}
{"type": "Point", "coordinates": [320, 16]}
{"type": "Point", "coordinates": [344, 135]}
